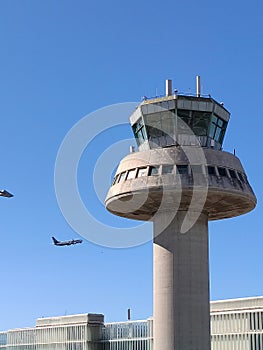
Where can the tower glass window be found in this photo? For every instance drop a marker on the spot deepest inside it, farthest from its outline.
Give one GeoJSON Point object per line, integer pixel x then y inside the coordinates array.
{"type": "Point", "coordinates": [222, 171]}
{"type": "Point", "coordinates": [197, 121]}
{"type": "Point", "coordinates": [182, 169]}
{"type": "Point", "coordinates": [200, 122]}
{"type": "Point", "coordinates": [232, 173]}
{"type": "Point", "coordinates": [139, 132]}
{"type": "Point", "coordinates": [217, 129]}
{"type": "Point", "coordinates": [122, 177]}
{"type": "Point", "coordinates": [142, 172]}
{"type": "Point", "coordinates": [211, 170]}
{"type": "Point", "coordinates": [167, 169]}
{"type": "Point", "coordinates": [184, 115]}
{"type": "Point", "coordinates": [154, 170]}
{"type": "Point", "coordinates": [131, 174]}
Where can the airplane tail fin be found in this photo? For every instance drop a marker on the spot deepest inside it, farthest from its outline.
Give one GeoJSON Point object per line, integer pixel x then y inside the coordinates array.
{"type": "Point", "coordinates": [55, 241]}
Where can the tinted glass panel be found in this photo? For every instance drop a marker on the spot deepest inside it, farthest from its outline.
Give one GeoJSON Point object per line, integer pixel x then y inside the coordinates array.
{"type": "Point", "coordinates": [197, 121]}
{"type": "Point", "coordinates": [211, 170]}
{"type": "Point", "coordinates": [182, 169]}
{"type": "Point", "coordinates": [214, 119]}
{"type": "Point", "coordinates": [153, 170]}
{"type": "Point", "coordinates": [222, 171]}
{"type": "Point", "coordinates": [212, 130]}
{"type": "Point", "coordinates": [140, 136]}
{"type": "Point", "coordinates": [139, 132]}
{"type": "Point", "coordinates": [220, 122]}
{"type": "Point", "coordinates": [232, 174]}
{"type": "Point", "coordinates": [200, 122]}
{"type": "Point", "coordinates": [217, 134]}
{"type": "Point", "coordinates": [168, 169]}
{"type": "Point", "coordinates": [222, 134]}
{"type": "Point", "coordinates": [217, 129]}
{"type": "Point", "coordinates": [137, 126]}
{"type": "Point", "coordinates": [185, 117]}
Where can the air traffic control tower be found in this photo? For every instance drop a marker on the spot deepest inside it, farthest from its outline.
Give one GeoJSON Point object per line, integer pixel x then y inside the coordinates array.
{"type": "Point", "coordinates": [179, 179]}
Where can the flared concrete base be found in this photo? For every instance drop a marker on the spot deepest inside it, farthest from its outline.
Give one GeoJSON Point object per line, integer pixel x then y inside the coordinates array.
{"type": "Point", "coordinates": [181, 284]}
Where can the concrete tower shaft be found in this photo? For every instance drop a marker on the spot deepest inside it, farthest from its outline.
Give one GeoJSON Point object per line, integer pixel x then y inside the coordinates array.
{"type": "Point", "coordinates": [180, 179]}
{"type": "Point", "coordinates": [181, 284]}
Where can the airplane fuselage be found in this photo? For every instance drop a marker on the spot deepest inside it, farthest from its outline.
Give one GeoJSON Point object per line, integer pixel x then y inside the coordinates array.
{"type": "Point", "coordinates": [63, 243]}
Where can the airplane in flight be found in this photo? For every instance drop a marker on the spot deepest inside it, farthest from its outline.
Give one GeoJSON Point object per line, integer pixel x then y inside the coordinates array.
{"type": "Point", "coordinates": [62, 243]}
{"type": "Point", "coordinates": [4, 193]}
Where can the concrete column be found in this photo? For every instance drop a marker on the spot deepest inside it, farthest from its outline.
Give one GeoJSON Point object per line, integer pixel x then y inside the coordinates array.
{"type": "Point", "coordinates": [181, 285]}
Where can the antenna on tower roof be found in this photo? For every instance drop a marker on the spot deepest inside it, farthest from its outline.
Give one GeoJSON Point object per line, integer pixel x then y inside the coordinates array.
{"type": "Point", "coordinates": [198, 86]}
{"type": "Point", "coordinates": [168, 87]}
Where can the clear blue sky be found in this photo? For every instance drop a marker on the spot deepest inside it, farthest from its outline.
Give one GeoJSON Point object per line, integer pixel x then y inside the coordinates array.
{"type": "Point", "coordinates": [61, 60]}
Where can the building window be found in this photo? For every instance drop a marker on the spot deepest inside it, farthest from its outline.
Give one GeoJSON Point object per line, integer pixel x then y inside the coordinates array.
{"type": "Point", "coordinates": [200, 122]}
{"type": "Point", "coordinates": [197, 121]}
{"type": "Point", "coordinates": [182, 169]}
{"type": "Point", "coordinates": [185, 116]}
{"type": "Point", "coordinates": [222, 171]}
{"type": "Point", "coordinates": [122, 177]}
{"type": "Point", "coordinates": [167, 169]}
{"type": "Point", "coordinates": [211, 170]}
{"type": "Point", "coordinates": [241, 178]}
{"type": "Point", "coordinates": [131, 174]}
{"type": "Point", "coordinates": [232, 173]}
{"type": "Point", "coordinates": [139, 132]}
{"type": "Point", "coordinates": [217, 129]}
{"type": "Point", "coordinates": [115, 180]}
{"type": "Point", "coordinates": [154, 170]}
{"type": "Point", "coordinates": [142, 172]}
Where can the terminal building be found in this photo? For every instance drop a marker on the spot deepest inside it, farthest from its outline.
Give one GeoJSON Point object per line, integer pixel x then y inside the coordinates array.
{"type": "Point", "coordinates": [236, 324]}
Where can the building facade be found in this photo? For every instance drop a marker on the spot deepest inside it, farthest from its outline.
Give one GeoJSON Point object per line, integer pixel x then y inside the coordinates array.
{"type": "Point", "coordinates": [80, 332]}
{"type": "Point", "coordinates": [130, 335]}
{"type": "Point", "coordinates": [236, 324]}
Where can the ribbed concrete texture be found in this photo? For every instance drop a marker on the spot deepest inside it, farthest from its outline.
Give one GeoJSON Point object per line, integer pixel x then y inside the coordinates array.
{"type": "Point", "coordinates": [181, 285]}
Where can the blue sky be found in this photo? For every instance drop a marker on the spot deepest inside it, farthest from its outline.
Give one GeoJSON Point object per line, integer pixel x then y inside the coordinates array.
{"type": "Point", "coordinates": [61, 60]}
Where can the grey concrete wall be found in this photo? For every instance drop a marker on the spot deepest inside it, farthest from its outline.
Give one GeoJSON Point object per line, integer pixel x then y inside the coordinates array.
{"type": "Point", "coordinates": [176, 155]}
{"type": "Point", "coordinates": [181, 285]}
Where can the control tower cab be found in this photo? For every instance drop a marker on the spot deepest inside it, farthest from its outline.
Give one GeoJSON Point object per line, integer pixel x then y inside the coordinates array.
{"type": "Point", "coordinates": [179, 179]}
{"type": "Point", "coordinates": [180, 142]}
